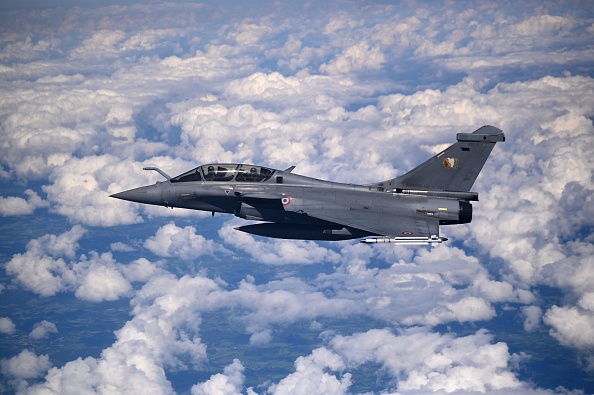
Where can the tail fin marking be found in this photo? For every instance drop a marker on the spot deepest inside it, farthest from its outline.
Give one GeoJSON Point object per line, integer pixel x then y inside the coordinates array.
{"type": "Point", "coordinates": [454, 169]}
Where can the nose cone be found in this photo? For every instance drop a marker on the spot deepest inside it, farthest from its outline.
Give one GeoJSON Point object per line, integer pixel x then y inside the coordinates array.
{"type": "Point", "coordinates": [150, 194]}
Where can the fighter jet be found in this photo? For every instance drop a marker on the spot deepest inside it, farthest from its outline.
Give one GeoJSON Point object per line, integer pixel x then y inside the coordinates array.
{"type": "Point", "coordinates": [408, 209]}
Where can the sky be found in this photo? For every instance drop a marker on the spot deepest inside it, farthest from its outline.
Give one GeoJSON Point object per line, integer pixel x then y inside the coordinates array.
{"type": "Point", "coordinates": [98, 295]}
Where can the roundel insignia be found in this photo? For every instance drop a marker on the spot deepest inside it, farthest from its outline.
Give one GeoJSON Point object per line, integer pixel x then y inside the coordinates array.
{"type": "Point", "coordinates": [286, 201]}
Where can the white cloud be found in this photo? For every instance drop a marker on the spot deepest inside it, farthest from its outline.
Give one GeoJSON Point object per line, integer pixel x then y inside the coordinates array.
{"type": "Point", "coordinates": [101, 45]}
{"type": "Point", "coordinates": [87, 105]}
{"type": "Point", "coordinates": [12, 206]}
{"type": "Point", "coordinates": [422, 361]}
{"type": "Point", "coordinates": [7, 327]}
{"type": "Point", "coordinates": [429, 287]}
{"type": "Point", "coordinates": [571, 325]}
{"type": "Point", "coordinates": [469, 308]}
{"type": "Point", "coordinates": [355, 58]}
{"type": "Point", "coordinates": [173, 241]}
{"type": "Point", "coordinates": [533, 317]}
{"type": "Point", "coordinates": [26, 365]}
{"type": "Point", "coordinates": [99, 283]}
{"type": "Point", "coordinates": [249, 33]}
{"type": "Point", "coordinates": [50, 265]}
{"type": "Point", "coordinates": [81, 190]}
{"type": "Point", "coordinates": [541, 25]}
{"type": "Point", "coordinates": [310, 376]}
{"type": "Point", "coordinates": [121, 247]}
{"type": "Point", "coordinates": [283, 303]}
{"type": "Point", "coordinates": [264, 86]}
{"type": "Point", "coordinates": [43, 329]}
{"type": "Point", "coordinates": [228, 383]}
{"type": "Point", "coordinates": [42, 268]}
{"type": "Point", "coordinates": [162, 334]}
{"type": "Point", "coordinates": [140, 270]}
{"type": "Point", "coordinates": [149, 39]}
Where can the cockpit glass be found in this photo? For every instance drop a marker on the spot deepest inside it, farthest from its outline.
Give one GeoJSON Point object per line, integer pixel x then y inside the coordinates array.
{"type": "Point", "coordinates": [222, 172]}
{"type": "Point", "coordinates": [250, 173]}
{"type": "Point", "coordinates": [192, 175]}
{"type": "Point", "coordinates": [226, 172]}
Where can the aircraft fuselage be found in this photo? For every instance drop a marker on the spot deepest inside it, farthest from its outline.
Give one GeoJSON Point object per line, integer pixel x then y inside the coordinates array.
{"type": "Point", "coordinates": [285, 199]}
{"type": "Point", "coordinates": [406, 209]}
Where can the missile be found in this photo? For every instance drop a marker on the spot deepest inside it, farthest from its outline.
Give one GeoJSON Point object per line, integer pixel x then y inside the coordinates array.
{"type": "Point", "coordinates": [405, 240]}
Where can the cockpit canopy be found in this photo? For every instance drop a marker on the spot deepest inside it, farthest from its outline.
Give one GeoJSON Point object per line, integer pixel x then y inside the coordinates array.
{"type": "Point", "coordinates": [226, 172]}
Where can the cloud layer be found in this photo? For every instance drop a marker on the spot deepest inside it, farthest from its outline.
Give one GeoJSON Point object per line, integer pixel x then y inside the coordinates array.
{"type": "Point", "coordinates": [345, 92]}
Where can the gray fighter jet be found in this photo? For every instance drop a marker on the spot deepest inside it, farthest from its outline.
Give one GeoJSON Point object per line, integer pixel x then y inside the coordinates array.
{"type": "Point", "coordinates": [405, 210]}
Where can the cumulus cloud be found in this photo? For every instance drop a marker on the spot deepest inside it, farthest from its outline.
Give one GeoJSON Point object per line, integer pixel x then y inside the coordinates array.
{"type": "Point", "coordinates": [99, 283]}
{"type": "Point", "coordinates": [93, 95]}
{"type": "Point", "coordinates": [230, 382]}
{"type": "Point", "coordinates": [26, 365]}
{"type": "Point", "coordinates": [310, 376]}
{"type": "Point", "coordinates": [145, 346]}
{"type": "Point", "coordinates": [467, 309]}
{"type": "Point", "coordinates": [43, 329]}
{"type": "Point", "coordinates": [80, 190]}
{"type": "Point", "coordinates": [424, 361]}
{"type": "Point", "coordinates": [13, 206]}
{"type": "Point", "coordinates": [121, 247]}
{"type": "Point", "coordinates": [173, 241]}
{"type": "Point", "coordinates": [571, 325]}
{"type": "Point", "coordinates": [355, 58]}
{"type": "Point", "coordinates": [42, 268]}
{"type": "Point", "coordinates": [430, 287]}
{"type": "Point", "coordinates": [50, 265]}
{"type": "Point", "coordinates": [533, 317]}
{"type": "Point", "coordinates": [7, 327]}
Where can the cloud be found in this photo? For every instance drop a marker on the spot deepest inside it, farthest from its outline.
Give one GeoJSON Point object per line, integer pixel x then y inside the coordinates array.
{"type": "Point", "coordinates": [230, 382]}
{"type": "Point", "coordinates": [422, 361]}
{"type": "Point", "coordinates": [50, 265]}
{"type": "Point", "coordinates": [162, 334]}
{"type": "Point", "coordinates": [467, 309]}
{"type": "Point", "coordinates": [42, 268]}
{"type": "Point", "coordinates": [93, 95]}
{"type": "Point", "coordinates": [7, 327]}
{"type": "Point", "coordinates": [429, 287]}
{"type": "Point", "coordinates": [80, 190]}
{"type": "Point", "coordinates": [173, 241]}
{"type": "Point", "coordinates": [541, 25]}
{"type": "Point", "coordinates": [249, 33]}
{"type": "Point", "coordinates": [25, 365]}
{"type": "Point", "coordinates": [571, 325]}
{"type": "Point", "coordinates": [140, 270]}
{"type": "Point", "coordinates": [355, 58]}
{"type": "Point", "coordinates": [100, 282]}
{"type": "Point", "coordinates": [121, 247]}
{"type": "Point", "coordinates": [282, 303]}
{"type": "Point", "coordinates": [43, 329]}
{"type": "Point", "coordinates": [310, 376]}
{"type": "Point", "coordinates": [533, 317]}
{"type": "Point", "coordinates": [102, 45]}
{"type": "Point", "coordinates": [14, 206]}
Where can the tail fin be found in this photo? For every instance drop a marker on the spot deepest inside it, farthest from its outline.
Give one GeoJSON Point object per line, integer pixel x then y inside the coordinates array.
{"type": "Point", "coordinates": [454, 169]}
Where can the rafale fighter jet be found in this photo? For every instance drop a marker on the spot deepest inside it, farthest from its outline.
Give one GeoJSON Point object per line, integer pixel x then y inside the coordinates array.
{"type": "Point", "coordinates": [405, 210]}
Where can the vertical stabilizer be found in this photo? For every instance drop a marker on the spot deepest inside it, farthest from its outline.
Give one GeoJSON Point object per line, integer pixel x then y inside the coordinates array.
{"type": "Point", "coordinates": [454, 169]}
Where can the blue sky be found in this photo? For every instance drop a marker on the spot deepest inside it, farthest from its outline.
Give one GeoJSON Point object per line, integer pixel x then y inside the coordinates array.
{"type": "Point", "coordinates": [347, 91]}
